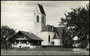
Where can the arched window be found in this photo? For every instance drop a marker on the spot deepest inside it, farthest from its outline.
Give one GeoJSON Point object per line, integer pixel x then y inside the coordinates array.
{"type": "Point", "coordinates": [49, 38]}
{"type": "Point", "coordinates": [37, 18]}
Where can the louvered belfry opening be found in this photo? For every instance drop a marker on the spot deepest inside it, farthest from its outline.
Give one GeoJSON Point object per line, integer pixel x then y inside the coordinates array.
{"type": "Point", "coordinates": [37, 18]}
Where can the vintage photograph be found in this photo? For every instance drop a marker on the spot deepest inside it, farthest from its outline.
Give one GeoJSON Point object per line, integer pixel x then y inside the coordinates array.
{"type": "Point", "coordinates": [45, 28]}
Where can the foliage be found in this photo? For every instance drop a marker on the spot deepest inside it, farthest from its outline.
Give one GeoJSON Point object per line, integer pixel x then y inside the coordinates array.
{"type": "Point", "coordinates": [67, 41]}
{"type": "Point", "coordinates": [6, 32]}
{"type": "Point", "coordinates": [77, 23]}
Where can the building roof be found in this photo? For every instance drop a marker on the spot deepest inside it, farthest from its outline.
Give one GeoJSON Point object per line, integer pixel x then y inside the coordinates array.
{"type": "Point", "coordinates": [59, 31]}
{"type": "Point", "coordinates": [56, 36]}
{"type": "Point", "coordinates": [31, 35]}
{"type": "Point", "coordinates": [41, 9]}
{"type": "Point", "coordinates": [53, 29]}
{"type": "Point", "coordinates": [48, 28]}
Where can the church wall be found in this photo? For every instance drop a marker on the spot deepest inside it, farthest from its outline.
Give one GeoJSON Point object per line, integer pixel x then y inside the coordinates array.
{"type": "Point", "coordinates": [43, 36]}
{"type": "Point", "coordinates": [56, 41]}
{"type": "Point", "coordinates": [51, 34]}
{"type": "Point", "coordinates": [38, 26]}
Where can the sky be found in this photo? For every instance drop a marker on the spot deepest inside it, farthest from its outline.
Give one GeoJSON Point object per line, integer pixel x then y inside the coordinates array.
{"type": "Point", "coordinates": [19, 15]}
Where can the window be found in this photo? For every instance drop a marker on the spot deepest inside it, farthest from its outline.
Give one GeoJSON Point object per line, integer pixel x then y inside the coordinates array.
{"type": "Point", "coordinates": [24, 36]}
{"type": "Point", "coordinates": [49, 38]}
{"type": "Point", "coordinates": [43, 19]}
{"type": "Point", "coordinates": [38, 43]}
{"type": "Point", "coordinates": [15, 43]}
{"type": "Point", "coordinates": [20, 42]}
{"type": "Point", "coordinates": [37, 18]}
{"type": "Point", "coordinates": [52, 42]}
{"type": "Point", "coordinates": [27, 43]}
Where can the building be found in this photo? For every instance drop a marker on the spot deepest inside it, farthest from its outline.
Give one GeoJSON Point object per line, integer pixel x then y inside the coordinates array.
{"type": "Point", "coordinates": [24, 39]}
{"type": "Point", "coordinates": [51, 35]}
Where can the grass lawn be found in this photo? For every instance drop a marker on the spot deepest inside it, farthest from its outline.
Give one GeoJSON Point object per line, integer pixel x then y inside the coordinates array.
{"type": "Point", "coordinates": [29, 52]}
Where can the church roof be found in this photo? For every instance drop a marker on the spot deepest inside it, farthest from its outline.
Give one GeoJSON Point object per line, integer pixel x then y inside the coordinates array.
{"type": "Point", "coordinates": [48, 28]}
{"type": "Point", "coordinates": [59, 31]}
{"type": "Point", "coordinates": [53, 29]}
{"type": "Point", "coordinates": [56, 36]}
{"type": "Point", "coordinates": [41, 9]}
{"type": "Point", "coordinates": [31, 35]}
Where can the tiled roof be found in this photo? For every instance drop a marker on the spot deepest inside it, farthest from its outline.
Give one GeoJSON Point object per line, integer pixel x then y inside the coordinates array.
{"type": "Point", "coordinates": [56, 36]}
{"type": "Point", "coordinates": [48, 28]}
{"type": "Point", "coordinates": [59, 31]}
{"type": "Point", "coordinates": [31, 35]}
{"type": "Point", "coordinates": [41, 9]}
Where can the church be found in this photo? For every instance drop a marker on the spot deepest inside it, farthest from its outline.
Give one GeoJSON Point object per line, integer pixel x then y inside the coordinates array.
{"type": "Point", "coordinates": [44, 35]}
{"type": "Point", "coordinates": [51, 35]}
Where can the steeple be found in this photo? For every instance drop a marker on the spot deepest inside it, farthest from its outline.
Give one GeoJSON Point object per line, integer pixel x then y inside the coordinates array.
{"type": "Point", "coordinates": [39, 18]}
{"type": "Point", "coordinates": [41, 9]}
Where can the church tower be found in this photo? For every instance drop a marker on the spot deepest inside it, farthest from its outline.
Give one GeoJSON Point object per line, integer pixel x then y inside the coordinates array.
{"type": "Point", "coordinates": [39, 19]}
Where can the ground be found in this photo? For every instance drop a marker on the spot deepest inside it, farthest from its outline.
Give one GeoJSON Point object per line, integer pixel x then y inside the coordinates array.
{"type": "Point", "coordinates": [30, 52]}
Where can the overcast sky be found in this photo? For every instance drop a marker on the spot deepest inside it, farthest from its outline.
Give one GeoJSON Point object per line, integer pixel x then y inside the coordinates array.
{"type": "Point", "coordinates": [20, 14]}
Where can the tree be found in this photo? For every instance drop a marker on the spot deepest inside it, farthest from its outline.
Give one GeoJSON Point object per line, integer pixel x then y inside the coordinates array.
{"type": "Point", "coordinates": [77, 23]}
{"type": "Point", "coordinates": [6, 32]}
{"type": "Point", "coordinates": [67, 41]}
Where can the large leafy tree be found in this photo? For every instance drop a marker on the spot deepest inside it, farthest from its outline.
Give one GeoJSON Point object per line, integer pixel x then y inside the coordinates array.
{"type": "Point", "coordinates": [66, 39]}
{"type": "Point", "coordinates": [77, 23]}
{"type": "Point", "coordinates": [6, 32]}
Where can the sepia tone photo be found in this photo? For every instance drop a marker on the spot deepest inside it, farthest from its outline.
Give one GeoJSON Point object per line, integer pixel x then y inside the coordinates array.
{"type": "Point", "coordinates": [45, 28]}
